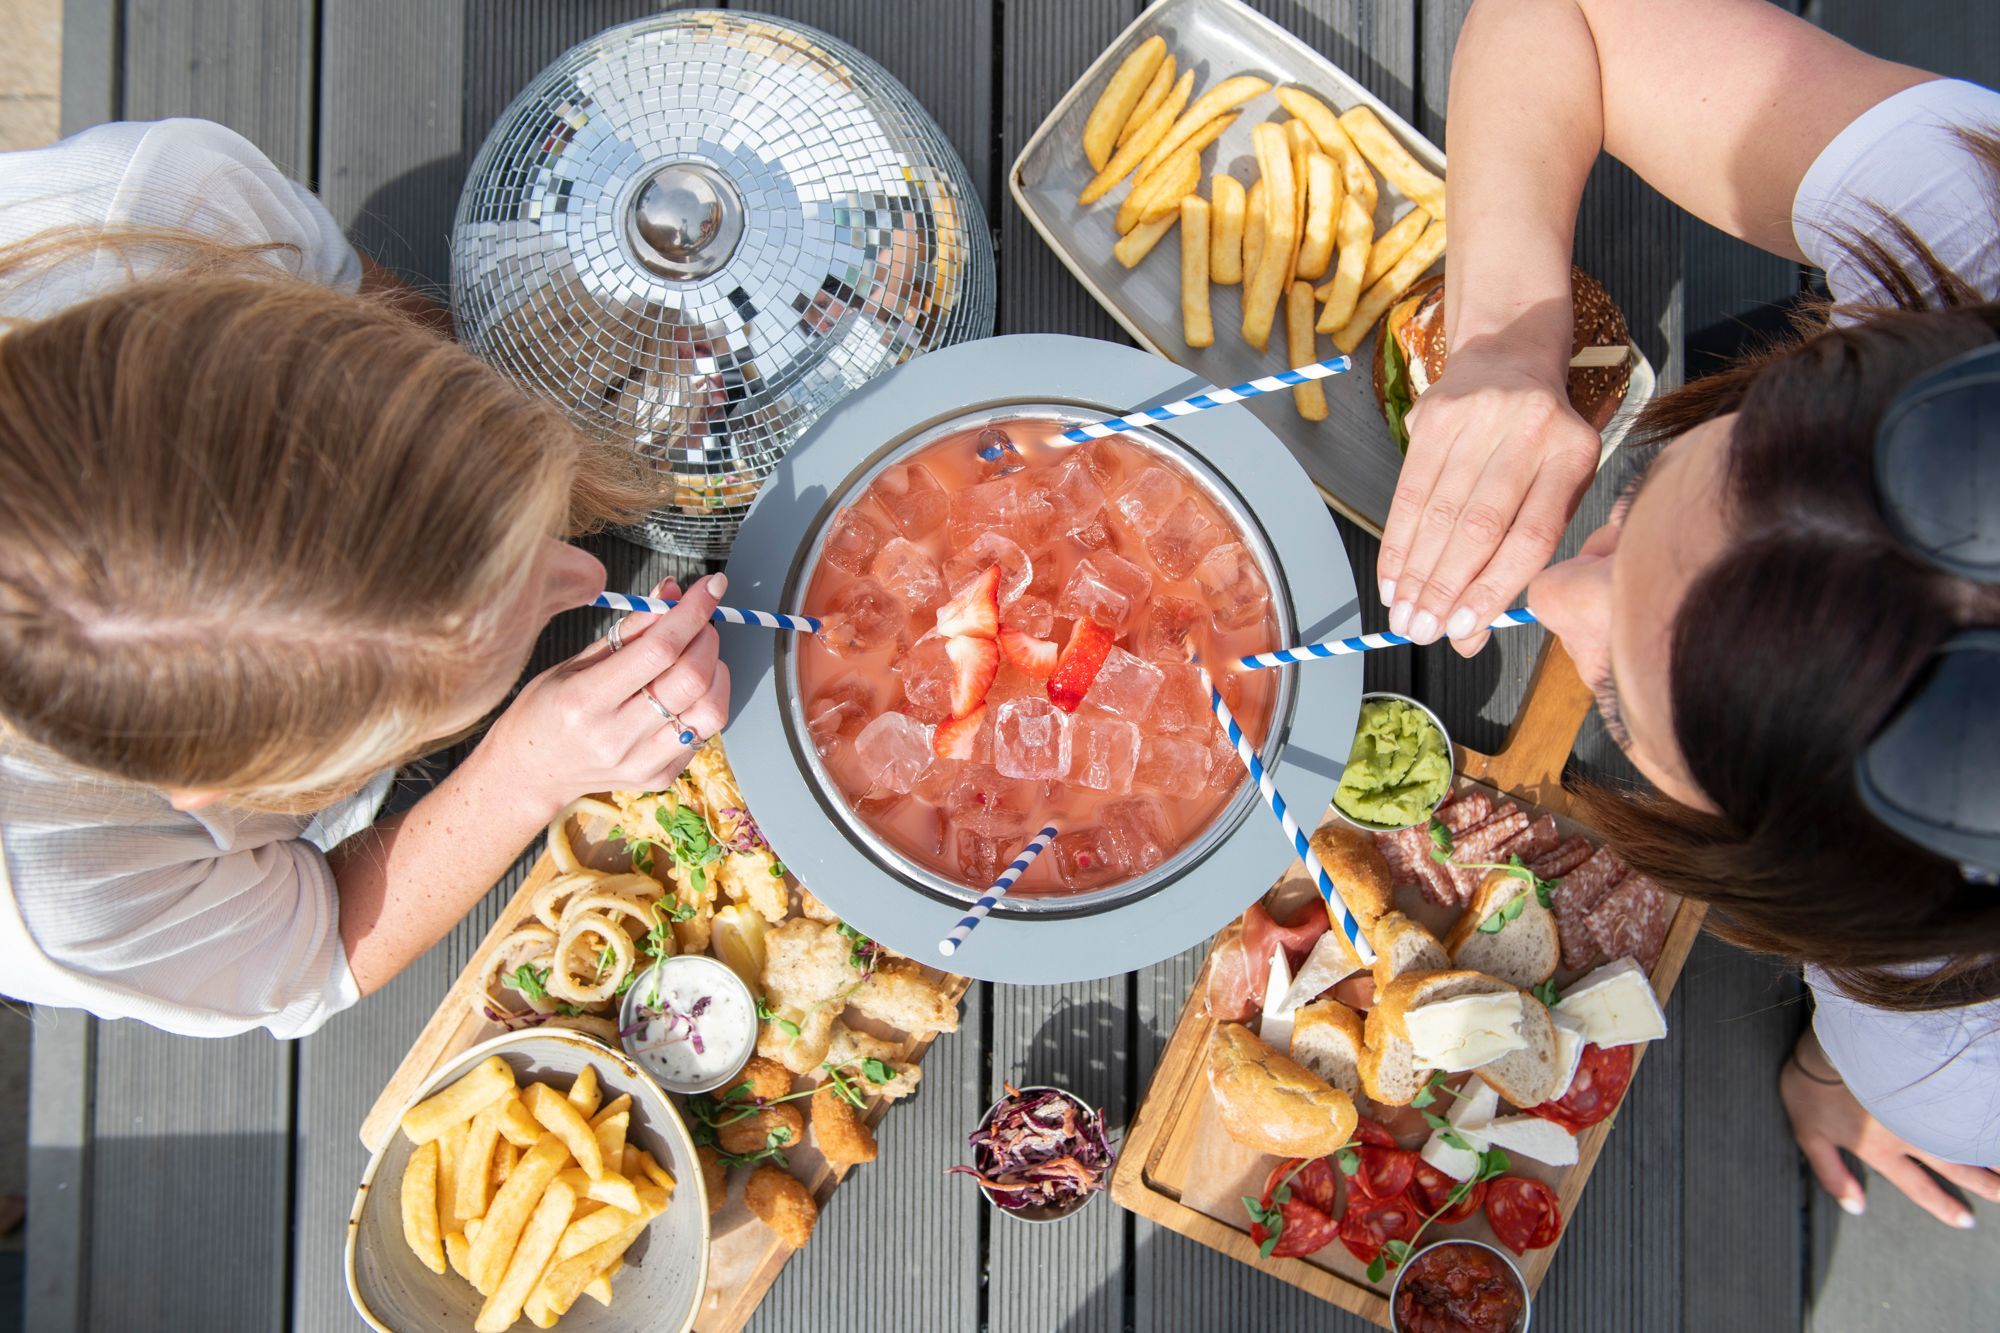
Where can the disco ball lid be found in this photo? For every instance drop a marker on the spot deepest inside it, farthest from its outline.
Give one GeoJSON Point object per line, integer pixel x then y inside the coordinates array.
{"type": "Point", "coordinates": [698, 231]}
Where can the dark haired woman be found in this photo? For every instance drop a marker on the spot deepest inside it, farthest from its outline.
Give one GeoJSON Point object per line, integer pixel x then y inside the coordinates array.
{"type": "Point", "coordinates": [1747, 618]}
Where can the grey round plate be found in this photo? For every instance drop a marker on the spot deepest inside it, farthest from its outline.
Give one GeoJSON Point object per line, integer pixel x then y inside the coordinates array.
{"type": "Point", "coordinates": [1310, 740]}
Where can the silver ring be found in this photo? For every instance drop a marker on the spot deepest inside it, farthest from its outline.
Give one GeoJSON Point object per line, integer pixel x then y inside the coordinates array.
{"type": "Point", "coordinates": [687, 736]}
{"type": "Point", "coordinates": [613, 634]}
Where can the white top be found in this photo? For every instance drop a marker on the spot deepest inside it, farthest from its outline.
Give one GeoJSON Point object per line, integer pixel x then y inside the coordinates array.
{"type": "Point", "coordinates": [206, 924]}
{"type": "Point", "coordinates": [1933, 1078]}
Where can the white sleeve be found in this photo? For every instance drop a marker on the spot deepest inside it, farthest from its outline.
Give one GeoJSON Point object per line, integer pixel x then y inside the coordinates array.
{"type": "Point", "coordinates": [1904, 157]}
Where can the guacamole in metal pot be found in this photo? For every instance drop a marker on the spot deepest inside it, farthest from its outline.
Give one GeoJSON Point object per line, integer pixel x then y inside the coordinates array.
{"type": "Point", "coordinates": [1399, 768]}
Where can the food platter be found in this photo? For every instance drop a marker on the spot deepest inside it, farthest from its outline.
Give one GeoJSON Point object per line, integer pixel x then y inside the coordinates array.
{"type": "Point", "coordinates": [1179, 1169]}
{"type": "Point", "coordinates": [1349, 456]}
{"type": "Point", "coordinates": [1310, 734]}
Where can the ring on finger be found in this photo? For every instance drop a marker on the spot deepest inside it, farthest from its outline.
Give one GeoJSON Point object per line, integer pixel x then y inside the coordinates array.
{"type": "Point", "coordinates": [615, 635]}
{"type": "Point", "coordinates": [668, 716]}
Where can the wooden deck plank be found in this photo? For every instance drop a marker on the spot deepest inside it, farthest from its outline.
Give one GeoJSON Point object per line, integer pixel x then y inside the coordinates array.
{"type": "Point", "coordinates": [245, 63]}
{"type": "Point", "coordinates": [60, 1090]}
{"type": "Point", "coordinates": [92, 63]}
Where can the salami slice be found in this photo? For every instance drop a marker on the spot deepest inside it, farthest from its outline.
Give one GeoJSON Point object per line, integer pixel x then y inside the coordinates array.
{"type": "Point", "coordinates": [1408, 852]}
{"type": "Point", "coordinates": [1467, 810]}
{"type": "Point", "coordinates": [1601, 1078]}
{"type": "Point", "coordinates": [1369, 1132]}
{"type": "Point", "coordinates": [1524, 1213]}
{"type": "Point", "coordinates": [1484, 844]}
{"type": "Point", "coordinates": [1536, 841]}
{"type": "Point", "coordinates": [1581, 890]}
{"type": "Point", "coordinates": [1315, 1182]}
{"type": "Point", "coordinates": [1302, 1230]}
{"type": "Point", "coordinates": [1372, 1223]}
{"type": "Point", "coordinates": [1385, 1172]}
{"type": "Point", "coordinates": [1563, 859]}
{"type": "Point", "coordinates": [1431, 1191]}
{"type": "Point", "coordinates": [1631, 922]}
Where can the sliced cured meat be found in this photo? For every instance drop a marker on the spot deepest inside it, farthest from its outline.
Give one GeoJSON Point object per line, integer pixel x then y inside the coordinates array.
{"type": "Point", "coordinates": [1317, 1183]}
{"type": "Point", "coordinates": [1533, 843]}
{"type": "Point", "coordinates": [1302, 1230]}
{"type": "Point", "coordinates": [1368, 1132]}
{"type": "Point", "coordinates": [1241, 967]}
{"type": "Point", "coordinates": [1431, 1189]}
{"type": "Point", "coordinates": [1631, 922]}
{"type": "Point", "coordinates": [1369, 1224]}
{"type": "Point", "coordinates": [1563, 859]}
{"type": "Point", "coordinates": [1467, 810]}
{"type": "Point", "coordinates": [1385, 1172]}
{"type": "Point", "coordinates": [1581, 890]}
{"type": "Point", "coordinates": [1230, 997]}
{"type": "Point", "coordinates": [1602, 1075]}
{"type": "Point", "coordinates": [1523, 1211]}
{"type": "Point", "coordinates": [1483, 844]}
{"type": "Point", "coordinates": [1408, 852]}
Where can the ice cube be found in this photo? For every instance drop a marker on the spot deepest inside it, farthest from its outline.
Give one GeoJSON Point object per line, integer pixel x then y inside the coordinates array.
{"type": "Point", "coordinates": [1033, 616]}
{"type": "Point", "coordinates": [1075, 498]}
{"type": "Point", "coordinates": [913, 498]}
{"type": "Point", "coordinates": [1141, 829]}
{"type": "Point", "coordinates": [990, 548]}
{"type": "Point", "coordinates": [1149, 497]}
{"type": "Point", "coordinates": [1103, 752]}
{"type": "Point", "coordinates": [1233, 586]}
{"type": "Point", "coordinates": [1182, 704]}
{"type": "Point", "coordinates": [852, 541]}
{"type": "Point", "coordinates": [1165, 630]}
{"type": "Point", "coordinates": [985, 801]}
{"type": "Point", "coordinates": [1180, 542]}
{"type": "Point", "coordinates": [1170, 765]}
{"type": "Point", "coordinates": [934, 784]}
{"type": "Point", "coordinates": [1225, 767]}
{"type": "Point", "coordinates": [1088, 858]}
{"type": "Point", "coordinates": [862, 616]}
{"type": "Point", "coordinates": [893, 751]}
{"type": "Point", "coordinates": [993, 442]}
{"type": "Point", "coordinates": [927, 676]}
{"type": "Point", "coordinates": [839, 712]}
{"type": "Point", "coordinates": [1030, 739]}
{"type": "Point", "coordinates": [1105, 588]}
{"type": "Point", "coordinates": [906, 569]}
{"type": "Point", "coordinates": [991, 506]}
{"type": "Point", "coordinates": [1125, 685]}
{"type": "Point", "coordinates": [979, 858]}
{"type": "Point", "coordinates": [1093, 536]}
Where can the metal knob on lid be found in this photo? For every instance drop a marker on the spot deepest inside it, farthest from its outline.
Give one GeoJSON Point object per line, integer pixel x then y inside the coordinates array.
{"type": "Point", "coordinates": [698, 231]}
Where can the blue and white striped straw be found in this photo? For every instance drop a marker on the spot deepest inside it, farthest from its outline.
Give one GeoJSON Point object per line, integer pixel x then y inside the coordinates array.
{"type": "Point", "coordinates": [1363, 643]}
{"type": "Point", "coordinates": [1335, 904]}
{"type": "Point", "coordinates": [724, 615]}
{"type": "Point", "coordinates": [1201, 402]}
{"type": "Point", "coordinates": [949, 945]}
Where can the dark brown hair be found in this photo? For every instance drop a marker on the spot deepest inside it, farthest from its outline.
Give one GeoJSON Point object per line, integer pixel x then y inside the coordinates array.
{"type": "Point", "coordinates": [1799, 641]}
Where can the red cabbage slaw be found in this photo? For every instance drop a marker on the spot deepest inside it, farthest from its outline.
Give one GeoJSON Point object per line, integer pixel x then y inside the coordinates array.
{"type": "Point", "coordinates": [1038, 1149]}
{"type": "Point", "coordinates": [675, 1021]}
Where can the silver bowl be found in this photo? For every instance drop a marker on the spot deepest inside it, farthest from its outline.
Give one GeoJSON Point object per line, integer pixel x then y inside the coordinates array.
{"type": "Point", "coordinates": [641, 987]}
{"type": "Point", "coordinates": [1527, 1298]}
{"type": "Point", "coordinates": [1450, 753]}
{"type": "Point", "coordinates": [1047, 1212]}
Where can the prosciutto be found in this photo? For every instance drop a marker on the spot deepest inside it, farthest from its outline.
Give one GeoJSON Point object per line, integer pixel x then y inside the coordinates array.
{"type": "Point", "coordinates": [1241, 967]}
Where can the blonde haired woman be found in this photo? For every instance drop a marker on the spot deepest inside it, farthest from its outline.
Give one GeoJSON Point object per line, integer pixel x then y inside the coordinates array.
{"type": "Point", "coordinates": [262, 539]}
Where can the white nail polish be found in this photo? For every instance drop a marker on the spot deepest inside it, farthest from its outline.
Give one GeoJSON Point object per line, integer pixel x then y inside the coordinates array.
{"type": "Point", "coordinates": [1851, 1205]}
{"type": "Point", "coordinates": [1424, 628]}
{"type": "Point", "coordinates": [1461, 623]}
{"type": "Point", "coordinates": [1399, 618]}
{"type": "Point", "coordinates": [1388, 590]}
{"type": "Point", "coordinates": [718, 584]}
{"type": "Point", "coordinates": [1965, 1222]}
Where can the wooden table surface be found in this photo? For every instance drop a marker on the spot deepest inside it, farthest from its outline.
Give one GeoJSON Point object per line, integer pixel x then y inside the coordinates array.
{"type": "Point", "coordinates": [181, 1184]}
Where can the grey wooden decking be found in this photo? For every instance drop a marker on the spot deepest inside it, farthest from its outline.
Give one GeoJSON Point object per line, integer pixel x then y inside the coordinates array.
{"type": "Point", "coordinates": [182, 1185]}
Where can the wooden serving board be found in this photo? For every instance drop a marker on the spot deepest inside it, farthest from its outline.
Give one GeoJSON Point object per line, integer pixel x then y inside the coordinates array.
{"type": "Point", "coordinates": [1180, 1170]}
{"type": "Point", "coordinates": [745, 1256]}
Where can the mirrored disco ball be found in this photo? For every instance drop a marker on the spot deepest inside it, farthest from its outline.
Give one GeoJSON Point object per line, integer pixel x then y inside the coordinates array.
{"type": "Point", "coordinates": [697, 231]}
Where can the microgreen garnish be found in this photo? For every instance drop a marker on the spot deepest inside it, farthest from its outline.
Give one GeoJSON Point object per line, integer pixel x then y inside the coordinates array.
{"type": "Point", "coordinates": [1429, 1092]}
{"type": "Point", "coordinates": [1395, 1253]}
{"type": "Point", "coordinates": [684, 836]}
{"type": "Point", "coordinates": [1441, 848]}
{"type": "Point", "coordinates": [766, 1014]}
{"type": "Point", "coordinates": [1497, 922]}
{"type": "Point", "coordinates": [864, 953]}
{"type": "Point", "coordinates": [531, 981]}
{"type": "Point", "coordinates": [1348, 1160]}
{"type": "Point", "coordinates": [1546, 992]}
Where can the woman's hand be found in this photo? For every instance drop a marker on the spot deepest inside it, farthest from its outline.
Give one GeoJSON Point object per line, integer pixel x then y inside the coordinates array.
{"type": "Point", "coordinates": [1826, 1118]}
{"type": "Point", "coordinates": [589, 725]}
{"type": "Point", "coordinates": [1498, 460]}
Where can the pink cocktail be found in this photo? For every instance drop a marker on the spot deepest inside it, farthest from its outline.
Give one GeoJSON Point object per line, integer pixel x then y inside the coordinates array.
{"type": "Point", "coordinates": [1109, 533]}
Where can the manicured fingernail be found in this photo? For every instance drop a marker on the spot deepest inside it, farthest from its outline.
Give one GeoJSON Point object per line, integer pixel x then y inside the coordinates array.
{"type": "Point", "coordinates": [1399, 619]}
{"type": "Point", "coordinates": [1462, 623]}
{"type": "Point", "coordinates": [1424, 628]}
{"type": "Point", "coordinates": [1388, 589]}
{"type": "Point", "coordinates": [718, 584]}
{"type": "Point", "coordinates": [1965, 1221]}
{"type": "Point", "coordinates": [1851, 1204]}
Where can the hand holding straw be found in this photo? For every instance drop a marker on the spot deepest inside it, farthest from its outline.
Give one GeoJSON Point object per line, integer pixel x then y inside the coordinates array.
{"type": "Point", "coordinates": [723, 615]}
{"type": "Point", "coordinates": [949, 945]}
{"type": "Point", "coordinates": [1201, 402]}
{"type": "Point", "coordinates": [1363, 643]}
{"type": "Point", "coordinates": [1336, 906]}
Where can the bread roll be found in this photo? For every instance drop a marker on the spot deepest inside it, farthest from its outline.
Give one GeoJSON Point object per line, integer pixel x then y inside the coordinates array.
{"type": "Point", "coordinates": [1270, 1104]}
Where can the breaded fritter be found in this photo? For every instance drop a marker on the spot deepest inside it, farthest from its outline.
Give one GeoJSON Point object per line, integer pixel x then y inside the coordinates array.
{"type": "Point", "coordinates": [838, 1128]}
{"type": "Point", "coordinates": [784, 1204]}
{"type": "Point", "coordinates": [768, 1081]}
{"type": "Point", "coordinates": [772, 1126]}
{"type": "Point", "coordinates": [849, 1048]}
{"type": "Point", "coordinates": [902, 995]}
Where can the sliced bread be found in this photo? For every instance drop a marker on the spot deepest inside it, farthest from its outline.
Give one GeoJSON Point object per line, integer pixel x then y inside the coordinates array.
{"type": "Point", "coordinates": [1403, 946]}
{"type": "Point", "coordinates": [1268, 1103]}
{"type": "Point", "coordinates": [1530, 1076]}
{"type": "Point", "coordinates": [1524, 952]}
{"type": "Point", "coordinates": [1327, 1038]}
{"type": "Point", "coordinates": [1389, 1071]}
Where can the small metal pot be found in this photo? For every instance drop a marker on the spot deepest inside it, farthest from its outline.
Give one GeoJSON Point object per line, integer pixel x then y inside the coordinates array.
{"type": "Point", "coordinates": [1437, 722]}
{"type": "Point", "coordinates": [714, 975]}
{"type": "Point", "coordinates": [1527, 1301]}
{"type": "Point", "coordinates": [1044, 1212]}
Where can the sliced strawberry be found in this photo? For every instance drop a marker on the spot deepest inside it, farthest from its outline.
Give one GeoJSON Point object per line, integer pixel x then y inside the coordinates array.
{"type": "Point", "coordinates": [1089, 644]}
{"type": "Point", "coordinates": [976, 609]}
{"type": "Point", "coordinates": [974, 664]}
{"type": "Point", "coordinates": [953, 738]}
{"type": "Point", "coordinates": [1035, 657]}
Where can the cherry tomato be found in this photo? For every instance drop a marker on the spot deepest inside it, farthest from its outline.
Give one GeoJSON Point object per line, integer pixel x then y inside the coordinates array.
{"type": "Point", "coordinates": [1524, 1213]}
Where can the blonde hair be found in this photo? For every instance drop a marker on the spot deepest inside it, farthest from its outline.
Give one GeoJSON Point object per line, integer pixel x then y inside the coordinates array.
{"type": "Point", "coordinates": [256, 533]}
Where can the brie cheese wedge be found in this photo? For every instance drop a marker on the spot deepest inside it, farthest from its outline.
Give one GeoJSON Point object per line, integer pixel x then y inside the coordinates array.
{"type": "Point", "coordinates": [1532, 1136]}
{"type": "Point", "coordinates": [1325, 967]}
{"type": "Point", "coordinates": [1276, 1027]}
{"type": "Point", "coordinates": [1458, 1163]}
{"type": "Point", "coordinates": [1570, 1042]}
{"type": "Point", "coordinates": [1465, 1032]}
{"type": "Point", "coordinates": [1615, 1006]}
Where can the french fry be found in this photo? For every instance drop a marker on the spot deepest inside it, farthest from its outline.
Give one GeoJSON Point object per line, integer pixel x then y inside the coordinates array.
{"type": "Point", "coordinates": [1139, 242]}
{"type": "Point", "coordinates": [610, 1132]}
{"type": "Point", "coordinates": [1120, 96]}
{"type": "Point", "coordinates": [1225, 232]}
{"type": "Point", "coordinates": [593, 1229]}
{"type": "Point", "coordinates": [531, 1255]}
{"type": "Point", "coordinates": [450, 1144]}
{"type": "Point", "coordinates": [1309, 398]}
{"type": "Point", "coordinates": [1357, 231]}
{"type": "Point", "coordinates": [1225, 96]}
{"type": "Point", "coordinates": [475, 1164]}
{"type": "Point", "coordinates": [1149, 102]}
{"type": "Point", "coordinates": [659, 1175]}
{"type": "Point", "coordinates": [457, 1249]}
{"type": "Point", "coordinates": [1159, 184]}
{"type": "Point", "coordinates": [518, 1127]}
{"type": "Point", "coordinates": [505, 1158]}
{"type": "Point", "coordinates": [566, 1278]}
{"type": "Point", "coordinates": [1323, 189]}
{"type": "Point", "coordinates": [610, 1189]}
{"type": "Point", "coordinates": [629, 1165]}
{"type": "Point", "coordinates": [1388, 156]}
{"type": "Point", "coordinates": [1255, 220]}
{"type": "Point", "coordinates": [500, 1229]}
{"type": "Point", "coordinates": [599, 1289]}
{"type": "Point", "coordinates": [563, 1120]}
{"type": "Point", "coordinates": [1135, 149]}
{"type": "Point", "coordinates": [1376, 301]}
{"type": "Point", "coordinates": [1303, 146]}
{"type": "Point", "coordinates": [490, 1080]}
{"type": "Point", "coordinates": [585, 1094]}
{"type": "Point", "coordinates": [622, 1102]}
{"type": "Point", "coordinates": [1263, 288]}
{"type": "Point", "coordinates": [1181, 177]}
{"type": "Point", "coordinates": [420, 1206]}
{"type": "Point", "coordinates": [1196, 326]}
{"type": "Point", "coordinates": [1392, 245]}
{"type": "Point", "coordinates": [1359, 182]}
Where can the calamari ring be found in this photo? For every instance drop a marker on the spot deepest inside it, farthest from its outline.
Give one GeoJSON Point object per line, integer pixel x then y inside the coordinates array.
{"type": "Point", "coordinates": [562, 887]}
{"type": "Point", "coordinates": [603, 1029]}
{"type": "Point", "coordinates": [608, 905]}
{"type": "Point", "coordinates": [564, 987]}
{"type": "Point", "coordinates": [559, 844]}
{"type": "Point", "coordinates": [529, 944]}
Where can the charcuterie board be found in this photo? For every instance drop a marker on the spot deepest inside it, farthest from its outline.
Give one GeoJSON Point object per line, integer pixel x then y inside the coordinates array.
{"type": "Point", "coordinates": [1179, 1169]}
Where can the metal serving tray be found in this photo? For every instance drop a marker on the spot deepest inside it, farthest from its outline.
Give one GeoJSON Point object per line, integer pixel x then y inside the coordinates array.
{"type": "Point", "coordinates": [1349, 456]}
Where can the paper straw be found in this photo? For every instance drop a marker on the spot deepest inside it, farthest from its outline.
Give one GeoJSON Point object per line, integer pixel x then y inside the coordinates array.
{"type": "Point", "coordinates": [1363, 643]}
{"type": "Point", "coordinates": [1201, 402]}
{"type": "Point", "coordinates": [725, 615]}
{"type": "Point", "coordinates": [1335, 904]}
{"type": "Point", "coordinates": [949, 945]}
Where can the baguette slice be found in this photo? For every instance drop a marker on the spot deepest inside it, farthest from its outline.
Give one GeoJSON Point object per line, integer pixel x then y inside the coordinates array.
{"type": "Point", "coordinates": [1359, 871]}
{"type": "Point", "coordinates": [1327, 1038]}
{"type": "Point", "coordinates": [1403, 946]}
{"type": "Point", "coordinates": [1268, 1103]}
{"type": "Point", "coordinates": [1531, 1076]}
{"type": "Point", "coordinates": [1524, 952]}
{"type": "Point", "coordinates": [1389, 1070]}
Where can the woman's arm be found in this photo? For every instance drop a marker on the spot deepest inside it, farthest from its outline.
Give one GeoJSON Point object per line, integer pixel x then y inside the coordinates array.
{"type": "Point", "coordinates": [1721, 105]}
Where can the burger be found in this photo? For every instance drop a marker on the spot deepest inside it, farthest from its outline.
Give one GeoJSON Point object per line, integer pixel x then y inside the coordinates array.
{"type": "Point", "coordinates": [1409, 354]}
